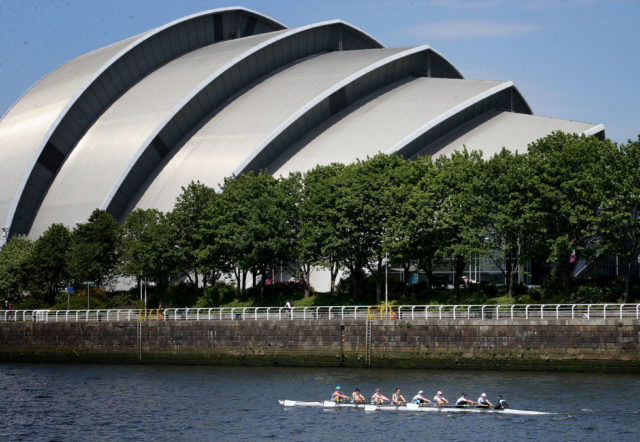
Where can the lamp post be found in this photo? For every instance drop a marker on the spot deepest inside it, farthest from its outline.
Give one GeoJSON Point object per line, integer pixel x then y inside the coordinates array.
{"type": "Point", "coordinates": [386, 285]}
{"type": "Point", "coordinates": [89, 285]}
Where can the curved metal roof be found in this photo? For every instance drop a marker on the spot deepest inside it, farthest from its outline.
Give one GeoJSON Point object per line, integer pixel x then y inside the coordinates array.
{"type": "Point", "coordinates": [83, 88]}
{"type": "Point", "coordinates": [142, 123]}
{"type": "Point", "coordinates": [227, 91]}
{"type": "Point", "coordinates": [376, 124]}
{"type": "Point", "coordinates": [516, 131]}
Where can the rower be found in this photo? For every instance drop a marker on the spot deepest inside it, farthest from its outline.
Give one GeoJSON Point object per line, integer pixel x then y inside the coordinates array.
{"type": "Point", "coordinates": [502, 404]}
{"type": "Point", "coordinates": [358, 398]}
{"type": "Point", "coordinates": [463, 401]}
{"type": "Point", "coordinates": [397, 398]}
{"type": "Point", "coordinates": [419, 399]}
{"type": "Point", "coordinates": [337, 396]}
{"type": "Point", "coordinates": [439, 399]}
{"type": "Point", "coordinates": [378, 398]}
{"type": "Point", "coordinates": [483, 402]}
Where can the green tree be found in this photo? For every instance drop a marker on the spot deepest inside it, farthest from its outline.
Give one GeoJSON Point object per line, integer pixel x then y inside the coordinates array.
{"type": "Point", "coordinates": [13, 255]}
{"type": "Point", "coordinates": [301, 254]}
{"type": "Point", "coordinates": [92, 255]}
{"type": "Point", "coordinates": [363, 210]}
{"type": "Point", "coordinates": [186, 220]}
{"type": "Point", "coordinates": [461, 217]}
{"type": "Point", "coordinates": [571, 170]}
{"type": "Point", "coordinates": [46, 268]}
{"type": "Point", "coordinates": [246, 227]}
{"type": "Point", "coordinates": [319, 218]}
{"type": "Point", "coordinates": [143, 249]}
{"type": "Point", "coordinates": [516, 218]}
{"type": "Point", "coordinates": [618, 228]}
{"type": "Point", "coordinates": [410, 236]}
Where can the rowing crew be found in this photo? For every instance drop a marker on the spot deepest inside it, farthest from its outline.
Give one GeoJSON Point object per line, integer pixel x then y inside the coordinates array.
{"type": "Point", "coordinates": [398, 399]}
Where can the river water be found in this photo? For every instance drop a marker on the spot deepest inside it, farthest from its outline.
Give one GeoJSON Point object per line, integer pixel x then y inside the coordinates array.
{"type": "Point", "coordinates": [92, 402]}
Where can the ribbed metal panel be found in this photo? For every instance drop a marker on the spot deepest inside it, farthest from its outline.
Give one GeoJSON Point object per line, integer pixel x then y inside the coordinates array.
{"type": "Point", "coordinates": [68, 83]}
{"type": "Point", "coordinates": [374, 124]}
{"type": "Point", "coordinates": [495, 129]}
{"type": "Point", "coordinates": [117, 135]}
{"type": "Point", "coordinates": [228, 137]}
{"type": "Point", "coordinates": [233, 80]}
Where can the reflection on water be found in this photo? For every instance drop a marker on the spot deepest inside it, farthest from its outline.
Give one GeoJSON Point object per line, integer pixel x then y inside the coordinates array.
{"type": "Point", "coordinates": [82, 402]}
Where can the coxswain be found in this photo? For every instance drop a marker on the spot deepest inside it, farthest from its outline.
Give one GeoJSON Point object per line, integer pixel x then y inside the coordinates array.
{"type": "Point", "coordinates": [463, 401]}
{"type": "Point", "coordinates": [483, 402]}
{"type": "Point", "coordinates": [502, 404]}
{"type": "Point", "coordinates": [358, 398]}
{"type": "Point", "coordinates": [439, 399]}
{"type": "Point", "coordinates": [337, 396]}
{"type": "Point", "coordinates": [397, 398]}
{"type": "Point", "coordinates": [378, 398]}
{"type": "Point", "coordinates": [419, 399]}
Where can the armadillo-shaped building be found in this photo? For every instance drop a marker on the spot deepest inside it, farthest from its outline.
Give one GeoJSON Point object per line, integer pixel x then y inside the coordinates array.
{"type": "Point", "coordinates": [229, 91]}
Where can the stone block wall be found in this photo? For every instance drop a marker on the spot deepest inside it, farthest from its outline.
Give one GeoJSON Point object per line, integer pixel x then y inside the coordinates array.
{"type": "Point", "coordinates": [595, 345]}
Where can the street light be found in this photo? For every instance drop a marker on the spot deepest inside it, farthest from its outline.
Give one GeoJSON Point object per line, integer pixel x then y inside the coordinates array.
{"type": "Point", "coordinates": [386, 284]}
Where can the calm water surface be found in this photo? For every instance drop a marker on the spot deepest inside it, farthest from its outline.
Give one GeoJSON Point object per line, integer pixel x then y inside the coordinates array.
{"type": "Point", "coordinates": [89, 402]}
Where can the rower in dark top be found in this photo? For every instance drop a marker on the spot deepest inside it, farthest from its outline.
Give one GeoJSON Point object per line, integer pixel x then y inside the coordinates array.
{"type": "Point", "coordinates": [502, 404]}
{"type": "Point", "coordinates": [483, 402]}
{"type": "Point", "coordinates": [463, 401]}
{"type": "Point", "coordinates": [337, 396]}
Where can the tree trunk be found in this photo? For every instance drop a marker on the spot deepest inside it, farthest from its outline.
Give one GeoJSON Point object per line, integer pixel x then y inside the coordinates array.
{"type": "Point", "coordinates": [355, 282]}
{"type": "Point", "coordinates": [508, 274]}
{"type": "Point", "coordinates": [244, 280]}
{"type": "Point", "coordinates": [426, 264]}
{"type": "Point", "coordinates": [307, 280]}
{"type": "Point", "coordinates": [238, 275]}
{"type": "Point", "coordinates": [405, 267]}
{"type": "Point", "coordinates": [334, 274]}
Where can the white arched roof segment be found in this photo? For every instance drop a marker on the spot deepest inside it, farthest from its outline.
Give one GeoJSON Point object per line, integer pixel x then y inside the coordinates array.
{"type": "Point", "coordinates": [195, 106]}
{"type": "Point", "coordinates": [28, 127]}
{"type": "Point", "coordinates": [377, 122]}
{"type": "Point", "coordinates": [137, 118]}
{"type": "Point", "coordinates": [107, 147]}
{"type": "Point", "coordinates": [490, 131]}
{"type": "Point", "coordinates": [253, 160]}
{"type": "Point", "coordinates": [464, 108]}
{"type": "Point", "coordinates": [28, 124]}
{"type": "Point", "coordinates": [226, 139]}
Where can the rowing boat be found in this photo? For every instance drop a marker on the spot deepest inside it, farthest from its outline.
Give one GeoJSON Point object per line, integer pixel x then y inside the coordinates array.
{"type": "Point", "coordinates": [450, 409]}
{"type": "Point", "coordinates": [410, 407]}
{"type": "Point", "coordinates": [324, 404]}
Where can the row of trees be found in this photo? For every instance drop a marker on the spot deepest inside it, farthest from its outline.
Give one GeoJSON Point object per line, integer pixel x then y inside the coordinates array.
{"type": "Point", "coordinates": [568, 198]}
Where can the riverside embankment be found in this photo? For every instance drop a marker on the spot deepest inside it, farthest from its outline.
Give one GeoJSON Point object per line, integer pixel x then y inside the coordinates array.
{"type": "Point", "coordinates": [606, 344]}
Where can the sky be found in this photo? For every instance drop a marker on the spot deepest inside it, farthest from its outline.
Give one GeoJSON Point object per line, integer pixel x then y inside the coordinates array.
{"type": "Point", "coordinates": [570, 59]}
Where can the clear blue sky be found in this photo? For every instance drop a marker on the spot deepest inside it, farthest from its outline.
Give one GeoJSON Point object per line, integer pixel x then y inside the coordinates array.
{"type": "Point", "coordinates": [573, 59]}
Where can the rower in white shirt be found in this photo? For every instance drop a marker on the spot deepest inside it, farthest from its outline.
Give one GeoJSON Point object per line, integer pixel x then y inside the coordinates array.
{"type": "Point", "coordinates": [483, 402]}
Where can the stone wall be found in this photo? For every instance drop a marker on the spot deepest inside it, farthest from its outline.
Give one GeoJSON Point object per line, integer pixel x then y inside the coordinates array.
{"type": "Point", "coordinates": [595, 345]}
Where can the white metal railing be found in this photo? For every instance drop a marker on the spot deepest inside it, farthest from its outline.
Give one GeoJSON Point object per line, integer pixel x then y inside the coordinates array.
{"type": "Point", "coordinates": [414, 312]}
